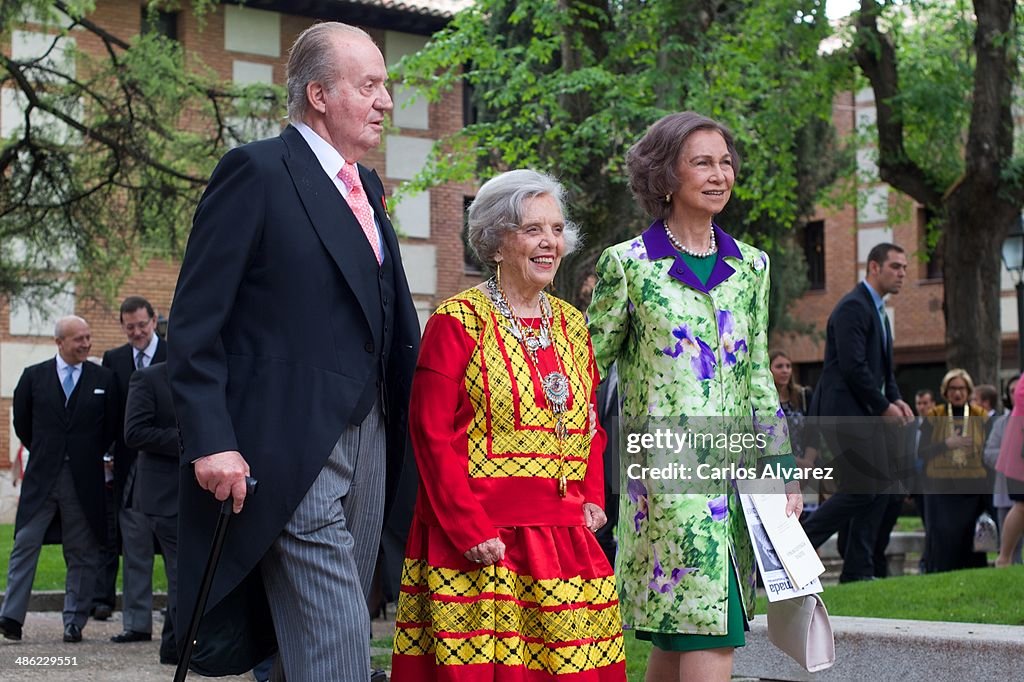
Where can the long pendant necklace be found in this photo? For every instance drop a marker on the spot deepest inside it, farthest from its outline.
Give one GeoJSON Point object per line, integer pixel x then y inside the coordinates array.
{"type": "Point", "coordinates": [555, 384]}
{"type": "Point", "coordinates": [958, 455]}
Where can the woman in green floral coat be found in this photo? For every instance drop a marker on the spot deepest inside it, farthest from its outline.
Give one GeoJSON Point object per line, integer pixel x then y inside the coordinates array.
{"type": "Point", "coordinates": [683, 311]}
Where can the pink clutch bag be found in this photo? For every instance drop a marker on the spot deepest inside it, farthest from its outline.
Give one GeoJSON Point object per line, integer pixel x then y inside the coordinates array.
{"type": "Point", "coordinates": [801, 629]}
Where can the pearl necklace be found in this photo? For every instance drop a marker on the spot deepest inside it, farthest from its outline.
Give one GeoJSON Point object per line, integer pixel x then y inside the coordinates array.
{"type": "Point", "coordinates": [696, 254]}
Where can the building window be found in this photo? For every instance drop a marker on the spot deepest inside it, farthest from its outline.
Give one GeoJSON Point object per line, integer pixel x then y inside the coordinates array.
{"type": "Point", "coordinates": [470, 265]}
{"type": "Point", "coordinates": [160, 23]}
{"type": "Point", "coordinates": [814, 253]}
{"type": "Point", "coordinates": [932, 251]}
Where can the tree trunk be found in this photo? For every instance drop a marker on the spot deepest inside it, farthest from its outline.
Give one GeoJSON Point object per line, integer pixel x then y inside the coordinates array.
{"type": "Point", "coordinates": [972, 240]}
{"type": "Point", "coordinates": [984, 203]}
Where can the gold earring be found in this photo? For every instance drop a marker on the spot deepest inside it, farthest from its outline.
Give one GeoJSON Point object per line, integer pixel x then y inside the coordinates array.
{"type": "Point", "coordinates": [497, 274]}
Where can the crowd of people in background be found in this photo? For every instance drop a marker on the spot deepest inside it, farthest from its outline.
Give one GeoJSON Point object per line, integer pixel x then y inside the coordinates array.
{"type": "Point", "coordinates": [947, 455]}
{"type": "Point", "coordinates": [94, 482]}
{"type": "Point", "coordinates": [295, 358]}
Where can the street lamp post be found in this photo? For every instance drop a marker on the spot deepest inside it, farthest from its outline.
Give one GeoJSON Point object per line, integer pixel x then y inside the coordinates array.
{"type": "Point", "coordinates": [1013, 259]}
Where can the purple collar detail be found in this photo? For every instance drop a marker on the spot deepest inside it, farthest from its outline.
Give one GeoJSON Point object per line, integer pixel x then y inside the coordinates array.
{"type": "Point", "coordinates": [658, 246]}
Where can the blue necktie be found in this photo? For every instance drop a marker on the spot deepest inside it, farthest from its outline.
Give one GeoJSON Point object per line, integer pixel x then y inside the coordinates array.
{"type": "Point", "coordinates": [68, 384]}
{"type": "Point", "coordinates": [139, 357]}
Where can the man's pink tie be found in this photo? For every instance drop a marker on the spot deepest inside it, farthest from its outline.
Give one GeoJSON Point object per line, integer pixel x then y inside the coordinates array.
{"type": "Point", "coordinates": [360, 205]}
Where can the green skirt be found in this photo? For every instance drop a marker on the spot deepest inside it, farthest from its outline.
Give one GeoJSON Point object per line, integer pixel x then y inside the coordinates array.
{"type": "Point", "coordinates": [674, 641]}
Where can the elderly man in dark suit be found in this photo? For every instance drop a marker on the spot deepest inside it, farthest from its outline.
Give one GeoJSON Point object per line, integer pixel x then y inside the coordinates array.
{"type": "Point", "coordinates": [856, 385]}
{"type": "Point", "coordinates": [66, 410]}
{"type": "Point", "coordinates": [144, 347]}
{"type": "Point", "coordinates": [150, 428]}
{"type": "Point", "coordinates": [294, 341]}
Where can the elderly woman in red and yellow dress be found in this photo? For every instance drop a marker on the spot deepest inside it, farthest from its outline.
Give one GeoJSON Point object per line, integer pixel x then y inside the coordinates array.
{"type": "Point", "coordinates": [503, 577]}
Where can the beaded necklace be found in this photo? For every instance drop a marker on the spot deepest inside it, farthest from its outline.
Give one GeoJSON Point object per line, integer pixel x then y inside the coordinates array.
{"type": "Point", "coordinates": [524, 333]}
{"type": "Point", "coordinates": [958, 455]}
{"type": "Point", "coordinates": [555, 384]}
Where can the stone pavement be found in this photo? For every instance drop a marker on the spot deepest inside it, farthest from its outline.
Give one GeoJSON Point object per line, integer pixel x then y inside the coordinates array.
{"type": "Point", "coordinates": [96, 658]}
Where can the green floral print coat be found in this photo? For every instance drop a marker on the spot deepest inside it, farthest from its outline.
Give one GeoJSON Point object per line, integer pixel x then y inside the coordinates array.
{"type": "Point", "coordinates": [687, 354]}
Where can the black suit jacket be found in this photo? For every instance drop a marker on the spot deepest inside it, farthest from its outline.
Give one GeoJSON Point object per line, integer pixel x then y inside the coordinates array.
{"type": "Point", "coordinates": [151, 429]}
{"type": "Point", "coordinates": [82, 431]}
{"type": "Point", "coordinates": [857, 379]}
{"type": "Point", "coordinates": [121, 361]}
{"type": "Point", "coordinates": [272, 351]}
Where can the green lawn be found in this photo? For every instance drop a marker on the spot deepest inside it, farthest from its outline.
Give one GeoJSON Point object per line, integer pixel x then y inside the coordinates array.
{"type": "Point", "coordinates": [50, 572]}
{"type": "Point", "coordinates": [909, 523]}
{"type": "Point", "coordinates": [984, 595]}
{"type": "Point", "coordinates": [381, 658]}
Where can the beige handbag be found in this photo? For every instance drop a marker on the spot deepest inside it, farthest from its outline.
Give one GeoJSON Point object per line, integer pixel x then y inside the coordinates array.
{"type": "Point", "coordinates": [801, 629]}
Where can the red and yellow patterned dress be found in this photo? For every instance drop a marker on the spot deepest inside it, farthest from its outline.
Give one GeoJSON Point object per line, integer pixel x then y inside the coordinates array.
{"type": "Point", "coordinates": [489, 463]}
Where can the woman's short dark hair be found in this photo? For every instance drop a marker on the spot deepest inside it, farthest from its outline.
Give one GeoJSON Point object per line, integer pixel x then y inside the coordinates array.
{"type": "Point", "coordinates": [652, 161]}
{"type": "Point", "coordinates": [1008, 397]}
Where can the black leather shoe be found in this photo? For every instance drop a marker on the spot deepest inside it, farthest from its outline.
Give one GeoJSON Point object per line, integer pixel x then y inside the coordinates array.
{"type": "Point", "coordinates": [378, 675]}
{"type": "Point", "coordinates": [10, 629]}
{"type": "Point", "coordinates": [101, 612]}
{"type": "Point", "coordinates": [72, 633]}
{"type": "Point", "coordinates": [168, 653]}
{"type": "Point", "coordinates": [131, 636]}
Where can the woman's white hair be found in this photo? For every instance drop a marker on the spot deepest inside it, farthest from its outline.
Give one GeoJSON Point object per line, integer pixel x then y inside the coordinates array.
{"type": "Point", "coordinates": [498, 210]}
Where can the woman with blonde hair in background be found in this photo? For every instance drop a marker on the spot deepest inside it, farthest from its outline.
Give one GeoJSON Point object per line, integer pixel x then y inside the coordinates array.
{"type": "Point", "coordinates": [955, 478]}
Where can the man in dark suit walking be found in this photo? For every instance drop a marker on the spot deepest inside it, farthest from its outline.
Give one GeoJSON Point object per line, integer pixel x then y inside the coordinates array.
{"type": "Point", "coordinates": [66, 411]}
{"type": "Point", "coordinates": [858, 384]}
{"type": "Point", "coordinates": [144, 347]}
{"type": "Point", "coordinates": [294, 341]}
{"type": "Point", "coordinates": [150, 428]}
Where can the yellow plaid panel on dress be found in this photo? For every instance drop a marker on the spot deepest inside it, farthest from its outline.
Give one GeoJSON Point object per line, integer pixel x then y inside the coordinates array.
{"type": "Point", "coordinates": [511, 650]}
{"type": "Point", "coordinates": [512, 433]}
{"type": "Point", "coordinates": [494, 615]}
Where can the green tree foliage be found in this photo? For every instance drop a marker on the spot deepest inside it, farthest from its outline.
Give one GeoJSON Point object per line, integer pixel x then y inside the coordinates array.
{"type": "Point", "coordinates": [567, 86]}
{"type": "Point", "coordinates": [944, 77]}
{"type": "Point", "coordinates": [106, 166]}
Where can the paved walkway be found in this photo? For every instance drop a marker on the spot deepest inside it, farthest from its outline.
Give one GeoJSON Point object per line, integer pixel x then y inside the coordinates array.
{"type": "Point", "coordinates": [96, 658]}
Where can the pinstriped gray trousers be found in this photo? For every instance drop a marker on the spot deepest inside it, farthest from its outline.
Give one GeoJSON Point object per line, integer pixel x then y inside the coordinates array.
{"type": "Point", "coordinates": [318, 571]}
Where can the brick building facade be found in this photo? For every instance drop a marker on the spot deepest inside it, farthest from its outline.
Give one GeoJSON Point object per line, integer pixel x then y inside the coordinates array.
{"type": "Point", "coordinates": [246, 45]}
{"type": "Point", "coordinates": [837, 243]}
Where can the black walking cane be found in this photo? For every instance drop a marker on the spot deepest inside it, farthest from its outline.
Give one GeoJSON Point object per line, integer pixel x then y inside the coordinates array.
{"type": "Point", "coordinates": [204, 587]}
